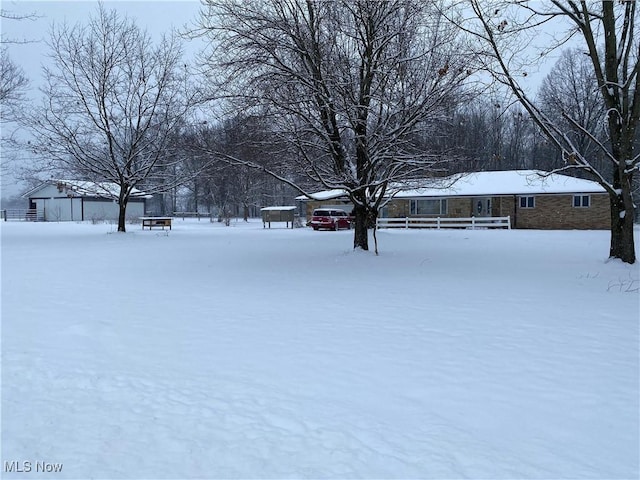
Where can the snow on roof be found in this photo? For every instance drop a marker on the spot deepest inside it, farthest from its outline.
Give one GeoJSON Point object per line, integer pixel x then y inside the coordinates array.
{"type": "Point", "coordinates": [324, 195]}
{"type": "Point", "coordinates": [83, 188]}
{"type": "Point", "coordinates": [510, 182]}
{"type": "Point", "coordinates": [277, 209]}
{"type": "Point", "coordinates": [513, 182]}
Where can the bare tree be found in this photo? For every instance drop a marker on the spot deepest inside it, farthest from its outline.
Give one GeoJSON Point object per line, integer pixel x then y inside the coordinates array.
{"type": "Point", "coordinates": [608, 34]}
{"type": "Point", "coordinates": [345, 84]}
{"type": "Point", "coordinates": [571, 89]}
{"type": "Point", "coordinates": [11, 15]}
{"type": "Point", "coordinates": [248, 137]}
{"type": "Point", "coordinates": [233, 188]}
{"type": "Point", "coordinates": [13, 83]}
{"type": "Point", "coordinates": [111, 100]}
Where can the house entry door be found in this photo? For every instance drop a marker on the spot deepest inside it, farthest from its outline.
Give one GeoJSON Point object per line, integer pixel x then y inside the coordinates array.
{"type": "Point", "coordinates": [482, 207]}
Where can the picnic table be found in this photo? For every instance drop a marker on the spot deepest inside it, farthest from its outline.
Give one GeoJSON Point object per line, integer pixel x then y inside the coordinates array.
{"type": "Point", "coordinates": [156, 222]}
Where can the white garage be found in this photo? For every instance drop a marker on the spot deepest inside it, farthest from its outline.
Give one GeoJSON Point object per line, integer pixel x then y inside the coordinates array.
{"type": "Point", "coordinates": [74, 200]}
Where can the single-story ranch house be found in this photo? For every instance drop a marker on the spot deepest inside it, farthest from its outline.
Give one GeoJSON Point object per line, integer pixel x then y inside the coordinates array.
{"type": "Point", "coordinates": [531, 198]}
{"type": "Point", "coordinates": [74, 200]}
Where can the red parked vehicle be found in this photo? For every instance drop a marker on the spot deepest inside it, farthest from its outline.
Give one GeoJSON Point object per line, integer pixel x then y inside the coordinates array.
{"type": "Point", "coordinates": [330, 219]}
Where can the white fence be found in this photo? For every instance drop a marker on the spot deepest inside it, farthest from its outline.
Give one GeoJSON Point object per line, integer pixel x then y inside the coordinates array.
{"type": "Point", "coordinates": [21, 214]}
{"type": "Point", "coordinates": [438, 222]}
{"type": "Point", "coordinates": [197, 215]}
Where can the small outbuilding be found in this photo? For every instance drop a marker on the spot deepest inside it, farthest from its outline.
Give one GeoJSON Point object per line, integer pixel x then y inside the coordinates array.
{"type": "Point", "coordinates": [76, 200]}
{"type": "Point", "coordinates": [278, 214]}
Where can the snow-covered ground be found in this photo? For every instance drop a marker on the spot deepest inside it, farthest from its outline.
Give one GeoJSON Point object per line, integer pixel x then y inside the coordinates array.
{"type": "Point", "coordinates": [227, 352]}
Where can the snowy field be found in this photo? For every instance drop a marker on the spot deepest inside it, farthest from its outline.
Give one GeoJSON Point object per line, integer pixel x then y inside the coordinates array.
{"type": "Point", "coordinates": [238, 352]}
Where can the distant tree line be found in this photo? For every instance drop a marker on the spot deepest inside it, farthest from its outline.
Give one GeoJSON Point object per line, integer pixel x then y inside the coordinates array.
{"type": "Point", "coordinates": [489, 133]}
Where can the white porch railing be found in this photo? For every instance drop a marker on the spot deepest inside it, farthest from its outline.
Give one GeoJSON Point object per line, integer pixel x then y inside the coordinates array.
{"type": "Point", "coordinates": [439, 222]}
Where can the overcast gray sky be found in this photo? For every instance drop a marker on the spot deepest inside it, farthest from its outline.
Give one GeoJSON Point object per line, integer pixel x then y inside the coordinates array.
{"type": "Point", "coordinates": [156, 16]}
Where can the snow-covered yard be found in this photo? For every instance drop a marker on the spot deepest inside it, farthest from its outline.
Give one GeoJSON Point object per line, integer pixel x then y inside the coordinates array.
{"type": "Point", "coordinates": [227, 352]}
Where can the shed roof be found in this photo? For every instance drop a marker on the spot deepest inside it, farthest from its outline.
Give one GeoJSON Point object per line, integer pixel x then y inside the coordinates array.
{"type": "Point", "coordinates": [509, 182]}
{"type": "Point", "coordinates": [277, 209]}
{"type": "Point", "coordinates": [84, 188]}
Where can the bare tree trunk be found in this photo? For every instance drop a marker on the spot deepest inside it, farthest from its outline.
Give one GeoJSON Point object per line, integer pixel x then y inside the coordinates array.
{"type": "Point", "coordinates": [375, 238]}
{"type": "Point", "coordinates": [622, 208]}
{"type": "Point", "coordinates": [196, 194]}
{"type": "Point", "coordinates": [622, 242]}
{"type": "Point", "coordinates": [122, 211]}
{"type": "Point", "coordinates": [361, 231]}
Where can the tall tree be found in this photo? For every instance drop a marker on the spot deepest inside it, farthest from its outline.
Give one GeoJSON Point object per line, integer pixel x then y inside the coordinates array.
{"type": "Point", "coordinates": [347, 84]}
{"type": "Point", "coordinates": [571, 89]}
{"type": "Point", "coordinates": [13, 86]}
{"type": "Point", "coordinates": [609, 37]}
{"type": "Point", "coordinates": [234, 187]}
{"type": "Point", "coordinates": [111, 99]}
{"type": "Point", "coordinates": [13, 83]}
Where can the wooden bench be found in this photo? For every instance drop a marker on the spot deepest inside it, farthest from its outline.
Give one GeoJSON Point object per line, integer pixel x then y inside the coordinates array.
{"type": "Point", "coordinates": [156, 222]}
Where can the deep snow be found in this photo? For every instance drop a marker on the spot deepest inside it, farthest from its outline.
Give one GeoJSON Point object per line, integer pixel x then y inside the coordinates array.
{"type": "Point", "coordinates": [227, 352]}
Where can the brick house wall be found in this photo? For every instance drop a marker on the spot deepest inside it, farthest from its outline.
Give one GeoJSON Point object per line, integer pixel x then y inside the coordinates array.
{"type": "Point", "coordinates": [551, 212]}
{"type": "Point", "coordinates": [459, 207]}
{"type": "Point", "coordinates": [397, 208]}
{"type": "Point", "coordinates": [505, 207]}
{"type": "Point", "coordinates": [456, 208]}
{"type": "Point", "coordinates": [557, 212]}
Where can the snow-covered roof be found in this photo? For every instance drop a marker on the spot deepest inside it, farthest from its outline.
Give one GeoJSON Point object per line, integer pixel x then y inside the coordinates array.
{"type": "Point", "coordinates": [510, 182]}
{"type": "Point", "coordinates": [324, 195]}
{"type": "Point", "coordinates": [277, 209]}
{"type": "Point", "coordinates": [83, 188]}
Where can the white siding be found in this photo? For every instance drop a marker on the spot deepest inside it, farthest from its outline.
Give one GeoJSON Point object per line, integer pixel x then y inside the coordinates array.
{"type": "Point", "coordinates": [60, 209]}
{"type": "Point", "coordinates": [49, 191]}
{"type": "Point", "coordinates": [135, 210]}
{"type": "Point", "coordinates": [76, 209]}
{"type": "Point", "coordinates": [40, 207]}
{"type": "Point", "coordinates": [101, 210]}
{"type": "Point", "coordinates": [57, 209]}
{"type": "Point", "coordinates": [56, 206]}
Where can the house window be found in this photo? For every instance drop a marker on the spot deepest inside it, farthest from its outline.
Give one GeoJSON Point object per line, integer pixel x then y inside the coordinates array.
{"type": "Point", "coordinates": [527, 202]}
{"type": "Point", "coordinates": [428, 207]}
{"type": "Point", "coordinates": [581, 201]}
